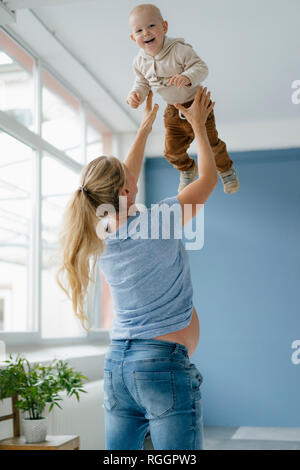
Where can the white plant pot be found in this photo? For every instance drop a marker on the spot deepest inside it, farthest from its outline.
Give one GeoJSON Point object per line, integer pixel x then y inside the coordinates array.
{"type": "Point", "coordinates": [35, 430]}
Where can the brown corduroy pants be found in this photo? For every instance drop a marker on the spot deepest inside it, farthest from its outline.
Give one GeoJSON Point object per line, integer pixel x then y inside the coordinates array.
{"type": "Point", "coordinates": [179, 135]}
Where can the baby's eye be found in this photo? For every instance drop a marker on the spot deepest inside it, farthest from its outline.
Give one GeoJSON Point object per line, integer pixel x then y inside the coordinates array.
{"type": "Point", "coordinates": [151, 25]}
{"type": "Point", "coordinates": [139, 30]}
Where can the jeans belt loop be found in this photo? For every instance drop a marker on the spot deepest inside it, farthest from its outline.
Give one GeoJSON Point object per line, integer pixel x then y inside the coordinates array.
{"type": "Point", "coordinates": [127, 344]}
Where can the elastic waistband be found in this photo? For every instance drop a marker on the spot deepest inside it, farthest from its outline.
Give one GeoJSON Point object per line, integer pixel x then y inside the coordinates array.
{"type": "Point", "coordinates": [186, 105]}
{"type": "Point", "coordinates": [138, 343]}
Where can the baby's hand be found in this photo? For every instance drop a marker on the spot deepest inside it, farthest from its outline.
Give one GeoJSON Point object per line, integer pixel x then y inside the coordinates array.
{"type": "Point", "coordinates": [134, 99]}
{"type": "Point", "coordinates": [179, 81]}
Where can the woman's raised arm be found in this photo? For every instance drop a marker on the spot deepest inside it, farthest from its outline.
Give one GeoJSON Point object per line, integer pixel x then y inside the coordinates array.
{"type": "Point", "coordinates": [134, 159]}
{"type": "Point", "coordinates": [193, 196]}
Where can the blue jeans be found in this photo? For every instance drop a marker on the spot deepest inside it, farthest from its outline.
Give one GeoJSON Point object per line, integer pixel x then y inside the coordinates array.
{"type": "Point", "coordinates": [150, 383]}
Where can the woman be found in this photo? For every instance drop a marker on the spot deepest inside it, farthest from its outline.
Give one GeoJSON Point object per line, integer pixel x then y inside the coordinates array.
{"type": "Point", "coordinates": [148, 378]}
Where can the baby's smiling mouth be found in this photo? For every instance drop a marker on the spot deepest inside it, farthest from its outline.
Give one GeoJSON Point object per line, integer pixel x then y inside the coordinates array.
{"type": "Point", "coordinates": [150, 40]}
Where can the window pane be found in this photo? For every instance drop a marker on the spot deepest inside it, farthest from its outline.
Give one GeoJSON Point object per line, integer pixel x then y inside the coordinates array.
{"type": "Point", "coordinates": [58, 182]}
{"type": "Point", "coordinates": [16, 183]}
{"type": "Point", "coordinates": [16, 82]}
{"type": "Point", "coordinates": [94, 137]}
{"type": "Point", "coordinates": [61, 122]}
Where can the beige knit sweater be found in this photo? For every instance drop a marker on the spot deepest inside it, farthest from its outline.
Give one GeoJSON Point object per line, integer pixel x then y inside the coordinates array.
{"type": "Point", "coordinates": [175, 57]}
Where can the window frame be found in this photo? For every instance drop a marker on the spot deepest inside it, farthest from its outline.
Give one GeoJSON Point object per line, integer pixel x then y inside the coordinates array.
{"type": "Point", "coordinates": [41, 147]}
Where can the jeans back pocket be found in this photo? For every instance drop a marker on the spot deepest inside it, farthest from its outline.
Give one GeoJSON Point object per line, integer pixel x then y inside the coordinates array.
{"type": "Point", "coordinates": [155, 391]}
{"type": "Point", "coordinates": [110, 400]}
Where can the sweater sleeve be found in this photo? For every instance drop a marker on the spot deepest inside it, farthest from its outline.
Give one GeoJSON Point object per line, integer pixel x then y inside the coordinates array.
{"type": "Point", "coordinates": [194, 67]}
{"type": "Point", "coordinates": [140, 85]}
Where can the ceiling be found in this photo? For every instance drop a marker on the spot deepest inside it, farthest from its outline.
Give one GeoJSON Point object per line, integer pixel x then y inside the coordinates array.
{"type": "Point", "coordinates": [251, 48]}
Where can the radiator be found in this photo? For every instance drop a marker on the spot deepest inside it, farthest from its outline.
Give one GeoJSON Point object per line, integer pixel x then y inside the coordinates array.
{"type": "Point", "coordinates": [84, 418]}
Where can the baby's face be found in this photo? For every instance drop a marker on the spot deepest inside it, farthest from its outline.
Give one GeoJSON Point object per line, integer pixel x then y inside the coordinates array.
{"type": "Point", "coordinates": [148, 31]}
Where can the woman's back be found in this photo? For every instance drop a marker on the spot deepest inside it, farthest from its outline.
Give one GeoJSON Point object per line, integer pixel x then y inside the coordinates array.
{"type": "Point", "coordinates": [149, 278]}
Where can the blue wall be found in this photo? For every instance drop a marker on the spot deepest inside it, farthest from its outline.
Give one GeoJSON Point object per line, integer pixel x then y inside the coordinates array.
{"type": "Point", "coordinates": [246, 289]}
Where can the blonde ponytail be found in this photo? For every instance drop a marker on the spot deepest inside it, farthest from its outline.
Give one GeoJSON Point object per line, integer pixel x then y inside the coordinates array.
{"type": "Point", "coordinates": [80, 245]}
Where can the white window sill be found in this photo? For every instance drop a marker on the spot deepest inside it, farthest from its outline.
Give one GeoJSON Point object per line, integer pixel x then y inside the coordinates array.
{"type": "Point", "coordinates": [85, 358]}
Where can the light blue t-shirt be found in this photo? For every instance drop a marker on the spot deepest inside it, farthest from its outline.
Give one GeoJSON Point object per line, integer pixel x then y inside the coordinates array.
{"type": "Point", "coordinates": [148, 271]}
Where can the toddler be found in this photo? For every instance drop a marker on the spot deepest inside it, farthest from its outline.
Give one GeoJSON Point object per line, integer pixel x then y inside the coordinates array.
{"type": "Point", "coordinates": [175, 71]}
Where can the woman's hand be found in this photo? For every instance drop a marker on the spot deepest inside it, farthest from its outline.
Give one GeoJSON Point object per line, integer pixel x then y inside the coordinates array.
{"type": "Point", "coordinates": [198, 112]}
{"type": "Point", "coordinates": [149, 114]}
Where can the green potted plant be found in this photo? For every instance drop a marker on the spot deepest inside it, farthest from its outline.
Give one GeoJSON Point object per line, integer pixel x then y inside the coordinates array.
{"type": "Point", "coordinates": [38, 385]}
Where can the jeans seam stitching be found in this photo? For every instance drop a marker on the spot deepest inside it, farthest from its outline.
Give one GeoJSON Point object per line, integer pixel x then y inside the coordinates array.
{"type": "Point", "coordinates": [160, 359]}
{"type": "Point", "coordinates": [174, 397]}
{"type": "Point", "coordinates": [112, 391]}
{"type": "Point", "coordinates": [137, 391]}
{"type": "Point", "coordinates": [128, 392]}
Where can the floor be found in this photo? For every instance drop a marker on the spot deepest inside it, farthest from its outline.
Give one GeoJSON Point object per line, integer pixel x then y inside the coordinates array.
{"type": "Point", "coordinates": [246, 438]}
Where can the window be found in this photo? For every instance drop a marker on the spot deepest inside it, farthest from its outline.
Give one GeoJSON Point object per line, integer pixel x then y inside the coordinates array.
{"type": "Point", "coordinates": [58, 182]}
{"type": "Point", "coordinates": [16, 82]}
{"type": "Point", "coordinates": [94, 137]}
{"type": "Point", "coordinates": [34, 190]}
{"type": "Point", "coordinates": [2, 310]}
{"type": "Point", "coordinates": [61, 123]}
{"type": "Point", "coordinates": [16, 182]}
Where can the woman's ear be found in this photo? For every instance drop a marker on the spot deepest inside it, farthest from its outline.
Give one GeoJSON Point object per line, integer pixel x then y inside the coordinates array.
{"type": "Point", "coordinates": [123, 191]}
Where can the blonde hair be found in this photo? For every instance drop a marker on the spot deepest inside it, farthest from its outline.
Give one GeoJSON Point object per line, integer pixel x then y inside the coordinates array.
{"type": "Point", "coordinates": [146, 6]}
{"type": "Point", "coordinates": [79, 243]}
